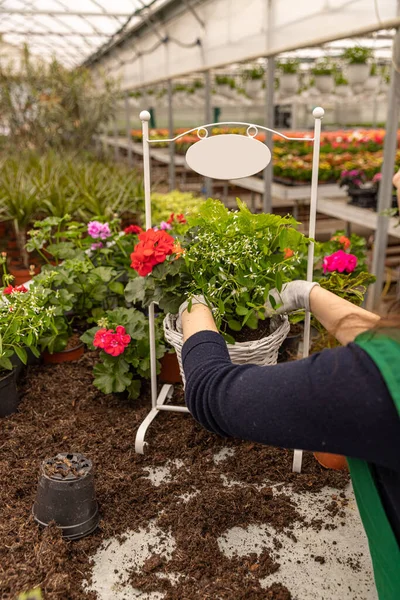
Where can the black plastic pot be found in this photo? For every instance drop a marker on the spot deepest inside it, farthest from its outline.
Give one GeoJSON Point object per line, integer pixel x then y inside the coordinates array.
{"type": "Point", "coordinates": [363, 198]}
{"type": "Point", "coordinates": [66, 495]}
{"type": "Point", "coordinates": [290, 347]}
{"type": "Point", "coordinates": [9, 397]}
{"type": "Point", "coordinates": [19, 365]}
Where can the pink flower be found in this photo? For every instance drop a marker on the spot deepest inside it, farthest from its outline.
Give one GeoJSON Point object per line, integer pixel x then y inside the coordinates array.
{"type": "Point", "coordinates": [98, 230]}
{"type": "Point", "coordinates": [102, 337]}
{"type": "Point", "coordinates": [164, 225]}
{"type": "Point", "coordinates": [377, 177]}
{"type": "Point", "coordinates": [113, 343]}
{"type": "Point", "coordinates": [96, 246]}
{"type": "Point", "coordinates": [340, 261]}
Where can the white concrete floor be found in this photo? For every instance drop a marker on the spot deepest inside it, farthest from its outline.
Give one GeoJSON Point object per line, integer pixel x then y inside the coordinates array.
{"type": "Point", "coordinates": [342, 572]}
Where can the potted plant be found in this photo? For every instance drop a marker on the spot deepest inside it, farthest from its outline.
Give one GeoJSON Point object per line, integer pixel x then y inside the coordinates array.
{"type": "Point", "coordinates": [224, 84]}
{"type": "Point", "coordinates": [233, 259]}
{"type": "Point", "coordinates": [91, 265]}
{"type": "Point", "coordinates": [361, 192]}
{"type": "Point", "coordinates": [254, 79]}
{"type": "Point", "coordinates": [323, 72]}
{"type": "Point", "coordinates": [357, 64]}
{"type": "Point", "coordinates": [21, 196]}
{"type": "Point", "coordinates": [122, 337]}
{"type": "Point", "coordinates": [24, 318]}
{"type": "Point", "coordinates": [289, 75]}
{"type": "Point", "coordinates": [373, 81]}
{"type": "Point", "coordinates": [342, 87]}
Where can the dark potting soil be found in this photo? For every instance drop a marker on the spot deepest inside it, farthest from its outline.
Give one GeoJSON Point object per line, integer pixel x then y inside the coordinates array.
{"type": "Point", "coordinates": [62, 412]}
{"type": "Point", "coordinates": [250, 335]}
{"type": "Point", "coordinates": [73, 341]}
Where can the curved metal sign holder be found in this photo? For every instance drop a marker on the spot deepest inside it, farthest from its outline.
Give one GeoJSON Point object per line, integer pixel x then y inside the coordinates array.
{"type": "Point", "coordinates": [224, 156]}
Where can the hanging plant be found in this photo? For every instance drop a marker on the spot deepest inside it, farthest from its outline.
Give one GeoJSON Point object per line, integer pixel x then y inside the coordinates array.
{"type": "Point", "coordinates": [358, 55]}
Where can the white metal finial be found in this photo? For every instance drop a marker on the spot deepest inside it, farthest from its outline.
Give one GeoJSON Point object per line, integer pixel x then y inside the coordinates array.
{"type": "Point", "coordinates": [318, 112]}
{"type": "Point", "coordinates": [145, 115]}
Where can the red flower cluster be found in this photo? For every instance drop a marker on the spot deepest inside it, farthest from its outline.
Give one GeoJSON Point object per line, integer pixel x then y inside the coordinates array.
{"type": "Point", "coordinates": [340, 261]}
{"type": "Point", "coordinates": [152, 249]}
{"type": "Point", "coordinates": [113, 343]}
{"type": "Point", "coordinates": [133, 229]}
{"type": "Point", "coordinates": [287, 253]}
{"type": "Point", "coordinates": [10, 289]}
{"type": "Point", "coordinates": [178, 218]}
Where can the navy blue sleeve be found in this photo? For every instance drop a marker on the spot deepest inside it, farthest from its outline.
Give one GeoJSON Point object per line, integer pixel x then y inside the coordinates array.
{"type": "Point", "coordinates": [335, 401]}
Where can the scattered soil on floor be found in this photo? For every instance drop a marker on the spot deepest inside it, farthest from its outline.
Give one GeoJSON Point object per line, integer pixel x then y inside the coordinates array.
{"type": "Point", "coordinates": [62, 412]}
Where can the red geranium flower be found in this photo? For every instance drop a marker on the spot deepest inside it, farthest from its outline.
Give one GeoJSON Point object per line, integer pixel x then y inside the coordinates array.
{"type": "Point", "coordinates": [113, 343]}
{"type": "Point", "coordinates": [181, 218]}
{"type": "Point", "coordinates": [133, 229]}
{"type": "Point", "coordinates": [152, 249]}
{"type": "Point", "coordinates": [102, 337]}
{"type": "Point", "coordinates": [287, 253]}
{"type": "Point", "coordinates": [340, 261]}
{"type": "Point", "coordinates": [10, 289]}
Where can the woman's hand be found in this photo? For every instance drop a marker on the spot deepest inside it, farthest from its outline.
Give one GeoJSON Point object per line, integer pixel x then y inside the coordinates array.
{"type": "Point", "coordinates": [294, 295]}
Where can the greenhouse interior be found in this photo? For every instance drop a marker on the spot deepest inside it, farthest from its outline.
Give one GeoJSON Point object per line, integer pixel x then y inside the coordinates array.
{"type": "Point", "coordinates": [199, 300]}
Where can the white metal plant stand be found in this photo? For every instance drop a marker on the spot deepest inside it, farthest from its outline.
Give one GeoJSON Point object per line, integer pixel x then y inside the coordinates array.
{"type": "Point", "coordinates": [223, 156]}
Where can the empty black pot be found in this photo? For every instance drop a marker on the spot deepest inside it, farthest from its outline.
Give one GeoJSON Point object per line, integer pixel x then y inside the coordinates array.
{"type": "Point", "coordinates": [9, 397]}
{"type": "Point", "coordinates": [66, 495]}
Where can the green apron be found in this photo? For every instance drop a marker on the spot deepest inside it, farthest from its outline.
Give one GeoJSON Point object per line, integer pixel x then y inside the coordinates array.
{"type": "Point", "coordinates": [384, 548]}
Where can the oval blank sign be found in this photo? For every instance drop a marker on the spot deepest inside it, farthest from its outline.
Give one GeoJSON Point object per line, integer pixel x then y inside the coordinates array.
{"type": "Point", "coordinates": [228, 156]}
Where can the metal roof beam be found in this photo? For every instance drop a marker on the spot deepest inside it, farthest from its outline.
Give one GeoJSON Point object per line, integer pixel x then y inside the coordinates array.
{"type": "Point", "coordinates": [57, 33]}
{"type": "Point", "coordinates": [59, 13]}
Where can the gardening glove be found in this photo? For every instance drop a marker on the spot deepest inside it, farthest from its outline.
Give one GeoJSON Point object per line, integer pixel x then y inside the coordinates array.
{"type": "Point", "coordinates": [294, 295]}
{"type": "Point", "coordinates": [184, 306]}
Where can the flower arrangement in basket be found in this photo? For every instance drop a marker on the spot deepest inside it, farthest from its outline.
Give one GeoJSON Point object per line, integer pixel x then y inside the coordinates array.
{"type": "Point", "coordinates": [233, 259]}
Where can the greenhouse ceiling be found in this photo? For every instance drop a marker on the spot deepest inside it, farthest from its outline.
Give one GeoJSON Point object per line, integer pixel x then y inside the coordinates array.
{"type": "Point", "coordinates": [70, 30]}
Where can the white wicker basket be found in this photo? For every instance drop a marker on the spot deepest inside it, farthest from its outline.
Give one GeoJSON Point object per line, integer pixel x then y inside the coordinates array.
{"type": "Point", "coordinates": [259, 352]}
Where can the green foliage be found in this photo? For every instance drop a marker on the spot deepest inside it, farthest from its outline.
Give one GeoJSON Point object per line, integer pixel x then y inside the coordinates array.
{"type": "Point", "coordinates": [340, 79]}
{"type": "Point", "coordinates": [323, 67]}
{"type": "Point", "coordinates": [24, 318]}
{"type": "Point", "coordinates": [232, 258]}
{"type": "Point", "coordinates": [254, 73]}
{"type": "Point", "coordinates": [116, 374]}
{"type": "Point", "coordinates": [162, 205]}
{"type": "Point", "coordinates": [290, 66]}
{"type": "Point", "coordinates": [358, 55]}
{"type": "Point", "coordinates": [44, 105]}
{"type": "Point", "coordinates": [225, 80]}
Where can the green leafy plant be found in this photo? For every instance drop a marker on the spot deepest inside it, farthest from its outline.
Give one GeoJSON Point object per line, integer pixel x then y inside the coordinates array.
{"type": "Point", "coordinates": [24, 318]}
{"type": "Point", "coordinates": [46, 105]}
{"type": "Point", "coordinates": [254, 73]}
{"type": "Point", "coordinates": [232, 258]}
{"type": "Point", "coordinates": [323, 67]}
{"type": "Point", "coordinates": [357, 55]}
{"type": "Point", "coordinates": [289, 67]}
{"type": "Point", "coordinates": [162, 205]}
{"type": "Point", "coordinates": [340, 79]}
{"type": "Point", "coordinates": [124, 372]}
{"type": "Point", "coordinates": [373, 70]}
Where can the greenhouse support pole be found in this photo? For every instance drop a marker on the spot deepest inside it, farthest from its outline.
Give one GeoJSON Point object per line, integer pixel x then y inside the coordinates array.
{"type": "Point", "coordinates": [128, 129]}
{"type": "Point", "coordinates": [269, 118]}
{"type": "Point", "coordinates": [145, 118]}
{"type": "Point", "coordinates": [318, 114]}
{"type": "Point", "coordinates": [171, 170]}
{"type": "Point", "coordinates": [208, 119]}
{"type": "Point", "coordinates": [385, 190]}
{"type": "Point", "coordinates": [115, 134]}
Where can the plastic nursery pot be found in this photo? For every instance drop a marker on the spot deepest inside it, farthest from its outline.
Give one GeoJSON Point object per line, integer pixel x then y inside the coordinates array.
{"type": "Point", "coordinates": [64, 356]}
{"type": "Point", "coordinates": [9, 397]}
{"type": "Point", "coordinates": [20, 274]}
{"type": "Point", "coordinates": [363, 198]}
{"type": "Point", "coordinates": [170, 369]}
{"type": "Point", "coordinates": [331, 461]}
{"type": "Point", "coordinates": [66, 495]}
